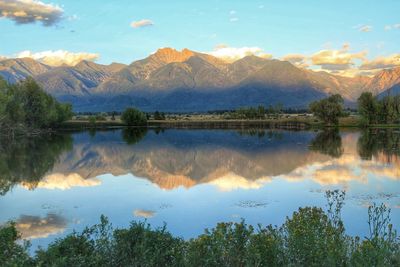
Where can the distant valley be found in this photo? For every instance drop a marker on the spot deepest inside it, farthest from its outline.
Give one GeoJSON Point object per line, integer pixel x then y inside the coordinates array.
{"type": "Point", "coordinates": [185, 81]}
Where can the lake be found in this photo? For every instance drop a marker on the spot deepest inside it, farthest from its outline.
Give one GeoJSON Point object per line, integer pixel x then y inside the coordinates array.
{"type": "Point", "coordinates": [192, 179]}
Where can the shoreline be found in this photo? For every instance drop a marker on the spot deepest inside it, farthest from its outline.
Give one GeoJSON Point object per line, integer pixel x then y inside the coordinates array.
{"type": "Point", "coordinates": [283, 124]}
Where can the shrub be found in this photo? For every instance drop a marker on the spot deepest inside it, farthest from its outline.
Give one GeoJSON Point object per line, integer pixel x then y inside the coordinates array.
{"type": "Point", "coordinates": [134, 117]}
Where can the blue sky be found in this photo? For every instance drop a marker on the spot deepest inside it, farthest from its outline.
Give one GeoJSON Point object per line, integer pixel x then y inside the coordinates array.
{"type": "Point", "coordinates": [275, 27]}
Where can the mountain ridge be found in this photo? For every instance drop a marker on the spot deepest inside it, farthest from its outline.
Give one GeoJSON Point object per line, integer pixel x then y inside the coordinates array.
{"type": "Point", "coordinates": [172, 80]}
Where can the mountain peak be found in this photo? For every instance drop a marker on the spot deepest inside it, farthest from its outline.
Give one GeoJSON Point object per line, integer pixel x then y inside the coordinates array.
{"type": "Point", "coordinates": [169, 55]}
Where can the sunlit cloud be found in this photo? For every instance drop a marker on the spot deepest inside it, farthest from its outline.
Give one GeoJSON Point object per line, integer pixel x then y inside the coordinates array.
{"type": "Point", "coordinates": [30, 11]}
{"type": "Point", "coordinates": [297, 60]}
{"type": "Point", "coordinates": [142, 23]}
{"type": "Point", "coordinates": [381, 62]}
{"type": "Point", "coordinates": [64, 182]}
{"type": "Point", "coordinates": [336, 59]}
{"type": "Point", "coordinates": [232, 181]}
{"type": "Point", "coordinates": [59, 57]}
{"type": "Point", "coordinates": [231, 54]}
{"type": "Point", "coordinates": [32, 227]}
{"type": "Point", "coordinates": [144, 213]}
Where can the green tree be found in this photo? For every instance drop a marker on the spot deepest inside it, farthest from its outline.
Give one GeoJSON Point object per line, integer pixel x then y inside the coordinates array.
{"type": "Point", "coordinates": [368, 108]}
{"type": "Point", "coordinates": [26, 106]}
{"type": "Point", "coordinates": [133, 117]}
{"type": "Point", "coordinates": [328, 109]}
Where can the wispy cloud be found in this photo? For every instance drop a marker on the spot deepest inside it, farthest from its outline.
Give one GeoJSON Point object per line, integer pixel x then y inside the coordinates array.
{"type": "Point", "coordinates": [59, 57]}
{"type": "Point", "coordinates": [231, 54]}
{"type": "Point", "coordinates": [233, 19]}
{"type": "Point", "coordinates": [390, 27]}
{"type": "Point", "coordinates": [30, 11]}
{"type": "Point", "coordinates": [363, 28]}
{"type": "Point", "coordinates": [142, 23]}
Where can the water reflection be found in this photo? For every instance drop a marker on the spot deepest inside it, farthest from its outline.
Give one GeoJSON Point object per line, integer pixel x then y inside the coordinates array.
{"type": "Point", "coordinates": [26, 161]}
{"type": "Point", "coordinates": [229, 160]}
{"type": "Point", "coordinates": [191, 179]}
{"type": "Point", "coordinates": [31, 227]}
{"type": "Point", "coordinates": [328, 142]}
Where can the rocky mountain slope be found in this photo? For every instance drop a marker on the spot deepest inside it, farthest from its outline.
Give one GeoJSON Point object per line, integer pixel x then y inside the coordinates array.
{"type": "Point", "coordinates": [171, 80]}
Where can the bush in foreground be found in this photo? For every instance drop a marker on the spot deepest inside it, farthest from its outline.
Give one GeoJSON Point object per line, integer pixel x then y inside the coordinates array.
{"type": "Point", "coordinates": [311, 237]}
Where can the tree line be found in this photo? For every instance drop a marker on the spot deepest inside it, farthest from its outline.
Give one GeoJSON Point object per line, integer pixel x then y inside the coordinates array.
{"type": "Point", "coordinates": [253, 113]}
{"type": "Point", "coordinates": [25, 107]}
{"type": "Point", "coordinates": [312, 236]}
{"type": "Point", "coordinates": [371, 109]}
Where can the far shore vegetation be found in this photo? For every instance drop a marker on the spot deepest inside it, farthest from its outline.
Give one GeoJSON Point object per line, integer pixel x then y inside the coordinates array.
{"type": "Point", "coordinates": [312, 236]}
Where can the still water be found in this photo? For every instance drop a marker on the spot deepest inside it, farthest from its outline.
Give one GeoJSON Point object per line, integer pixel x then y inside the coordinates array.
{"type": "Point", "coordinates": [192, 179]}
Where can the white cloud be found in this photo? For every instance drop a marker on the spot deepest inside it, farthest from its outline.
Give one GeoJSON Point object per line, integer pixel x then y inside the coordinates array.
{"type": "Point", "coordinates": [142, 23]}
{"type": "Point", "coordinates": [231, 54]}
{"type": "Point", "coordinates": [59, 57]}
{"type": "Point", "coordinates": [232, 12]}
{"type": "Point", "coordinates": [363, 28]}
{"type": "Point", "coordinates": [30, 11]}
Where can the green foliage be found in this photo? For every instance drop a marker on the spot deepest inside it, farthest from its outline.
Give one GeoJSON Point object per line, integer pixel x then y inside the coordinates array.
{"type": "Point", "coordinates": [26, 106]}
{"type": "Point", "coordinates": [92, 120]}
{"type": "Point", "coordinates": [310, 237]}
{"type": "Point", "coordinates": [382, 111]}
{"type": "Point", "coordinates": [134, 117]}
{"type": "Point", "coordinates": [329, 110]}
{"type": "Point", "coordinates": [12, 253]}
{"type": "Point", "coordinates": [368, 108]}
{"type": "Point", "coordinates": [139, 245]}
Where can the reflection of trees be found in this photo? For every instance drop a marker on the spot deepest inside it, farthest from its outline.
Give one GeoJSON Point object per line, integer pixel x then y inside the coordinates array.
{"type": "Point", "coordinates": [133, 135]}
{"type": "Point", "coordinates": [277, 135]}
{"type": "Point", "coordinates": [374, 141]}
{"type": "Point", "coordinates": [328, 142]}
{"type": "Point", "coordinates": [29, 159]}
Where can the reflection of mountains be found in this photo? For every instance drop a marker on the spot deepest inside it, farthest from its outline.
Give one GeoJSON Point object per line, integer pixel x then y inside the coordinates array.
{"type": "Point", "coordinates": [226, 159]}
{"type": "Point", "coordinates": [185, 158]}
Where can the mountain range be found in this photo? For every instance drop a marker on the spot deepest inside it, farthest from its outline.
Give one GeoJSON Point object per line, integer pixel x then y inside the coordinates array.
{"type": "Point", "coordinates": [183, 81]}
